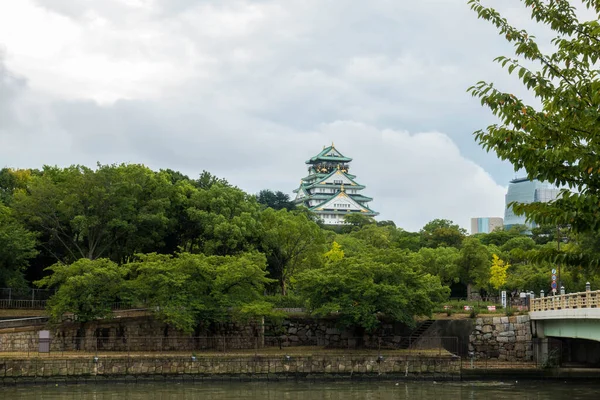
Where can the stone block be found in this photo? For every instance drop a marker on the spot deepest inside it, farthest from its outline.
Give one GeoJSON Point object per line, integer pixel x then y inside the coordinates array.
{"type": "Point", "coordinates": [506, 333]}
{"type": "Point", "coordinates": [496, 320]}
{"type": "Point", "coordinates": [479, 322]}
{"type": "Point", "coordinates": [487, 329]}
{"type": "Point", "coordinates": [504, 320]}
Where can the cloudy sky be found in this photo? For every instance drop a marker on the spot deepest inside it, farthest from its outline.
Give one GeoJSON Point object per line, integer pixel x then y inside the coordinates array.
{"type": "Point", "coordinates": [250, 89]}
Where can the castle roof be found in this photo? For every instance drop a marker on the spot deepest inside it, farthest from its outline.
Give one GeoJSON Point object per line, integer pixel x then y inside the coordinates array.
{"type": "Point", "coordinates": [329, 154]}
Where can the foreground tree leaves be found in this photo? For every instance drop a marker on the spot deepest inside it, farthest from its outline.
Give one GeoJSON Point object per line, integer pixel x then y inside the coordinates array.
{"type": "Point", "coordinates": [558, 141]}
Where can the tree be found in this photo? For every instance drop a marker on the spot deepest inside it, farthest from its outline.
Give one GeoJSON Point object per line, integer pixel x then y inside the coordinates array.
{"type": "Point", "coordinates": [473, 264]}
{"type": "Point", "coordinates": [191, 289]}
{"type": "Point", "coordinates": [498, 270]}
{"type": "Point", "coordinates": [207, 180]}
{"type": "Point", "coordinates": [406, 240]}
{"type": "Point", "coordinates": [290, 241]}
{"type": "Point", "coordinates": [557, 141]}
{"type": "Point", "coordinates": [112, 212]}
{"type": "Point", "coordinates": [376, 236]}
{"type": "Point", "coordinates": [500, 236]}
{"type": "Point", "coordinates": [440, 262]}
{"type": "Point", "coordinates": [358, 220]}
{"type": "Point", "coordinates": [11, 180]}
{"type": "Point", "coordinates": [17, 248]}
{"type": "Point", "coordinates": [335, 254]}
{"type": "Point", "coordinates": [386, 223]}
{"type": "Point", "coordinates": [276, 200]}
{"type": "Point", "coordinates": [86, 288]}
{"type": "Point", "coordinates": [442, 233]}
{"type": "Point", "coordinates": [221, 220]}
{"type": "Point", "coordinates": [360, 289]}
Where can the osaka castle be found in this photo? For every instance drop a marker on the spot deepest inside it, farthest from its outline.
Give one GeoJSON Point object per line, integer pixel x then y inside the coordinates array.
{"type": "Point", "coordinates": [329, 190]}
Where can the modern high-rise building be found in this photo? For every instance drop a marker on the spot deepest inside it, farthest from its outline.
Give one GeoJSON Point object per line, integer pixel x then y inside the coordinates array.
{"type": "Point", "coordinates": [329, 190]}
{"type": "Point", "coordinates": [485, 224]}
{"type": "Point", "coordinates": [523, 190]}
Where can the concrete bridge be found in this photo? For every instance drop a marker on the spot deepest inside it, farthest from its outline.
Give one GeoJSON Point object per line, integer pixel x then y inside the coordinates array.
{"type": "Point", "coordinates": [574, 320]}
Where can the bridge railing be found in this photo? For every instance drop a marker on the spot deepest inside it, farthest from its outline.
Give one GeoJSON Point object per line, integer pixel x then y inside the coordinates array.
{"type": "Point", "coordinates": [588, 299]}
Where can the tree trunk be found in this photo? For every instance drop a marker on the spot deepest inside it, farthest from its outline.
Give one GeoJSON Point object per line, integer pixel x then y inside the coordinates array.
{"type": "Point", "coordinates": [469, 288]}
{"type": "Point", "coordinates": [282, 285]}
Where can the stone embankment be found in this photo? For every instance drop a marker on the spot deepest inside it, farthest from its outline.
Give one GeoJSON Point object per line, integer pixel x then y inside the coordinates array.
{"type": "Point", "coordinates": [502, 338]}
{"type": "Point", "coordinates": [215, 367]}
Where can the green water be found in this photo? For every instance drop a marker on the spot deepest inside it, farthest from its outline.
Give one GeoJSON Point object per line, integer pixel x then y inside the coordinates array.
{"type": "Point", "coordinates": [308, 391]}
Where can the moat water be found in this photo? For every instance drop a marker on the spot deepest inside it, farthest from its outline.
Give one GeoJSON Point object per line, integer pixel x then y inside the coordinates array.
{"type": "Point", "coordinates": [526, 390]}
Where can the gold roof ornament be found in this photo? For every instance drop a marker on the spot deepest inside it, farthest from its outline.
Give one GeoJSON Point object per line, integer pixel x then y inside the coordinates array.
{"type": "Point", "coordinates": [332, 145]}
{"type": "Point", "coordinates": [342, 188]}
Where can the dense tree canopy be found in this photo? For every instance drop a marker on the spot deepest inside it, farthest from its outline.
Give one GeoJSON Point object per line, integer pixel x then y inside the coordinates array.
{"type": "Point", "coordinates": [359, 289]}
{"type": "Point", "coordinates": [17, 248]}
{"type": "Point", "coordinates": [198, 251]}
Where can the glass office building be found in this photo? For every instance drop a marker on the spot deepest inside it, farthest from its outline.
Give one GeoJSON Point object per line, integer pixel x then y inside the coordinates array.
{"type": "Point", "coordinates": [523, 190]}
{"type": "Point", "coordinates": [485, 224]}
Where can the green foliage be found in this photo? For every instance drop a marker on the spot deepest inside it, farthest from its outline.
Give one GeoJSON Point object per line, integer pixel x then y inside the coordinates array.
{"type": "Point", "coordinates": [17, 247]}
{"type": "Point", "coordinates": [441, 262]}
{"type": "Point", "coordinates": [189, 289]}
{"type": "Point", "coordinates": [375, 236]}
{"type": "Point", "coordinates": [12, 180]}
{"type": "Point", "coordinates": [86, 288]}
{"type": "Point", "coordinates": [204, 245]}
{"type": "Point", "coordinates": [406, 240]}
{"type": "Point", "coordinates": [498, 272]}
{"type": "Point", "coordinates": [222, 220]}
{"type": "Point", "coordinates": [291, 242]}
{"type": "Point", "coordinates": [556, 141]}
{"type": "Point", "coordinates": [276, 200]}
{"type": "Point", "coordinates": [334, 254]}
{"type": "Point", "coordinates": [500, 236]}
{"type": "Point", "coordinates": [358, 220]}
{"type": "Point", "coordinates": [473, 263]}
{"type": "Point", "coordinates": [441, 233]}
{"type": "Point", "coordinates": [360, 289]}
{"type": "Point", "coordinates": [112, 212]}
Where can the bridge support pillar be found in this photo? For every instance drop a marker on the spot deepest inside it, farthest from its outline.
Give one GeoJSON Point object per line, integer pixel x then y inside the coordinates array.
{"type": "Point", "coordinates": [540, 350]}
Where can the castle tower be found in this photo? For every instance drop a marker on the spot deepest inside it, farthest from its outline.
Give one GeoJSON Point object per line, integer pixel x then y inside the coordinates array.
{"type": "Point", "coordinates": [329, 190]}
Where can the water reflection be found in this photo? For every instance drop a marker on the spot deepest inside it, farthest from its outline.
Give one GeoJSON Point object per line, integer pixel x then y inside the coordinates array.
{"type": "Point", "coordinates": [307, 391]}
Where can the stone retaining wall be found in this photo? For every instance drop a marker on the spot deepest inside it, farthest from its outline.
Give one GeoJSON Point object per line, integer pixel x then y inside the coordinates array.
{"type": "Point", "coordinates": [148, 334]}
{"type": "Point", "coordinates": [502, 338]}
{"type": "Point", "coordinates": [217, 366]}
{"type": "Point", "coordinates": [324, 332]}
{"type": "Point", "coordinates": [130, 334]}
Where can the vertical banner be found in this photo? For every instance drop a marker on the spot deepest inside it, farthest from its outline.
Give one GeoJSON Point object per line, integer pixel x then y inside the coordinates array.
{"type": "Point", "coordinates": [504, 298]}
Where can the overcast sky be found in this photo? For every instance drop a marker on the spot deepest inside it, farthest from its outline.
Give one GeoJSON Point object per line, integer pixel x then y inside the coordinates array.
{"type": "Point", "coordinates": [249, 90]}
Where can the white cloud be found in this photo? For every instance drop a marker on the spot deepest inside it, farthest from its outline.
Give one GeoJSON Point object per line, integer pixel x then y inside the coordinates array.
{"type": "Point", "coordinates": [250, 89]}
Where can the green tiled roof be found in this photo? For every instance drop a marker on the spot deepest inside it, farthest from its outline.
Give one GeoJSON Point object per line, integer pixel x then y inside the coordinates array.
{"type": "Point", "coordinates": [322, 157]}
